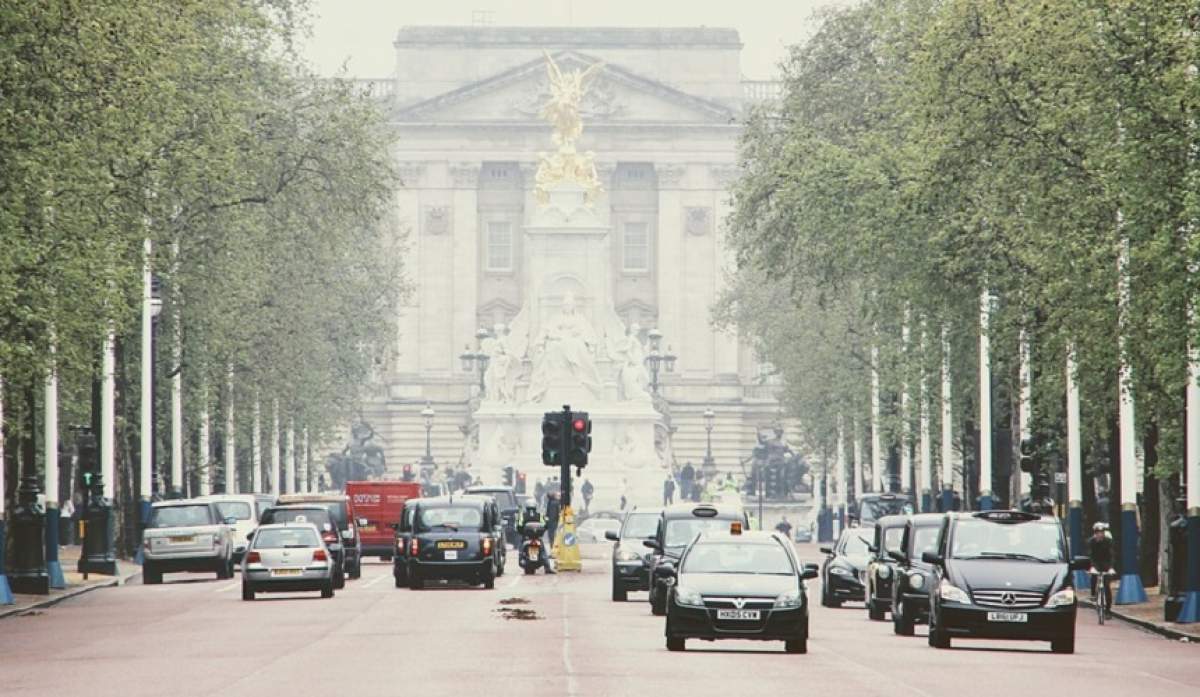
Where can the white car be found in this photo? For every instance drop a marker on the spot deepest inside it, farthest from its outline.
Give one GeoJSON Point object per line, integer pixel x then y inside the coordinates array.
{"type": "Point", "coordinates": [186, 535]}
{"type": "Point", "coordinates": [244, 508]}
{"type": "Point", "coordinates": [593, 529]}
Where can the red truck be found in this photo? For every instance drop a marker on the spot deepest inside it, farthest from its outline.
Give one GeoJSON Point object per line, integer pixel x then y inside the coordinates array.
{"type": "Point", "coordinates": [381, 504]}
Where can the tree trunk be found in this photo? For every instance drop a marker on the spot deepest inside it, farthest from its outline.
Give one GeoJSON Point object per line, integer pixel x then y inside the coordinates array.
{"type": "Point", "coordinates": [1151, 533]}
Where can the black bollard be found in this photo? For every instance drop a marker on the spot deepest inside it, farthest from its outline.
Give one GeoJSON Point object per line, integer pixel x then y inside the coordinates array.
{"type": "Point", "coordinates": [98, 556]}
{"type": "Point", "coordinates": [29, 573]}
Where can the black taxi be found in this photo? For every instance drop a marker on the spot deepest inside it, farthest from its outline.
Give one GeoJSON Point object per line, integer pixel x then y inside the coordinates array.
{"type": "Point", "coordinates": [881, 569]}
{"type": "Point", "coordinates": [733, 584]}
{"type": "Point", "coordinates": [403, 538]}
{"type": "Point", "coordinates": [1002, 575]}
{"type": "Point", "coordinates": [677, 526]}
{"type": "Point", "coordinates": [454, 538]}
{"type": "Point", "coordinates": [910, 588]}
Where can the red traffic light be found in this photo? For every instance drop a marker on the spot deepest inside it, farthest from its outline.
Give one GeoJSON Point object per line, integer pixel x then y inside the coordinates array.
{"type": "Point", "coordinates": [579, 425]}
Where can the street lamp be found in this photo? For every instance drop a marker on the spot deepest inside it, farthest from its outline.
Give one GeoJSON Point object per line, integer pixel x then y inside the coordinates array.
{"type": "Point", "coordinates": [656, 358]}
{"type": "Point", "coordinates": [709, 464]}
{"type": "Point", "coordinates": [472, 359]}
{"type": "Point", "coordinates": [428, 414]}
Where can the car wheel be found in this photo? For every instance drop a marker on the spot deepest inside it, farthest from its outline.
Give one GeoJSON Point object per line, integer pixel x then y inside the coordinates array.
{"type": "Point", "coordinates": [247, 591]}
{"type": "Point", "coordinates": [1064, 645]}
{"type": "Point", "coordinates": [151, 575]}
{"type": "Point", "coordinates": [488, 579]}
{"type": "Point", "coordinates": [658, 604]}
{"type": "Point", "coordinates": [827, 599]}
{"type": "Point", "coordinates": [873, 612]}
{"type": "Point", "coordinates": [327, 591]}
{"type": "Point", "coordinates": [339, 579]}
{"type": "Point", "coordinates": [902, 623]}
{"type": "Point", "coordinates": [530, 569]}
{"type": "Point", "coordinates": [676, 643]}
{"type": "Point", "coordinates": [399, 581]}
{"type": "Point", "coordinates": [619, 593]}
{"type": "Point", "coordinates": [415, 582]}
{"type": "Point", "coordinates": [936, 639]}
{"type": "Point", "coordinates": [356, 571]}
{"type": "Point", "coordinates": [797, 645]}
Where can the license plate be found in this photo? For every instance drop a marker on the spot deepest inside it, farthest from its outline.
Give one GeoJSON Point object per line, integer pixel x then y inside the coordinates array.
{"type": "Point", "coordinates": [737, 614]}
{"type": "Point", "coordinates": [367, 528]}
{"type": "Point", "coordinates": [451, 544]}
{"type": "Point", "coordinates": [451, 554]}
{"type": "Point", "coordinates": [183, 539]}
{"type": "Point", "coordinates": [533, 555]}
{"type": "Point", "coordinates": [285, 572]}
{"type": "Point", "coordinates": [1008, 617]}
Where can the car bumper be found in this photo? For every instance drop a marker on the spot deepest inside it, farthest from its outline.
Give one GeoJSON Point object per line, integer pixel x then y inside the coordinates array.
{"type": "Point", "coordinates": [1043, 624]}
{"type": "Point", "coordinates": [190, 561]}
{"type": "Point", "coordinates": [633, 576]}
{"type": "Point", "coordinates": [916, 604]}
{"type": "Point", "coordinates": [450, 570]}
{"type": "Point", "coordinates": [846, 588]}
{"type": "Point", "coordinates": [310, 579]}
{"type": "Point", "coordinates": [379, 549]}
{"type": "Point", "coordinates": [702, 623]}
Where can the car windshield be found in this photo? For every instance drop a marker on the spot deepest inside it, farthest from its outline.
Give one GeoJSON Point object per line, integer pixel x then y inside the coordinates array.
{"type": "Point", "coordinates": [640, 525]}
{"type": "Point", "coordinates": [234, 509]}
{"type": "Point", "coordinates": [284, 538]}
{"type": "Point", "coordinates": [317, 516]}
{"type": "Point", "coordinates": [737, 558]}
{"type": "Point", "coordinates": [855, 545]}
{"type": "Point", "coordinates": [924, 540]}
{"type": "Point", "coordinates": [681, 531]}
{"type": "Point", "coordinates": [449, 518]}
{"type": "Point", "coordinates": [980, 539]}
{"type": "Point", "coordinates": [871, 510]}
{"type": "Point", "coordinates": [180, 517]}
{"type": "Point", "coordinates": [892, 537]}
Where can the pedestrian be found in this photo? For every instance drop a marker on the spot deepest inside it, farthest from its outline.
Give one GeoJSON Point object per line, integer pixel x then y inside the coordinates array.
{"type": "Point", "coordinates": [697, 487]}
{"type": "Point", "coordinates": [668, 491]}
{"type": "Point", "coordinates": [588, 490]}
{"type": "Point", "coordinates": [539, 493]}
{"type": "Point", "coordinates": [623, 501]}
{"type": "Point", "coordinates": [784, 528]}
{"type": "Point", "coordinates": [66, 521]}
{"type": "Point", "coordinates": [687, 477]}
{"type": "Point", "coordinates": [553, 509]}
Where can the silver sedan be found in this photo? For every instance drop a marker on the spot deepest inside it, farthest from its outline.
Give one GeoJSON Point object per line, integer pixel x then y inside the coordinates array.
{"type": "Point", "coordinates": [284, 558]}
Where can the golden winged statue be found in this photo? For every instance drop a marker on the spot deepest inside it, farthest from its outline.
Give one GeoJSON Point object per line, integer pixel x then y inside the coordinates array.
{"type": "Point", "coordinates": [562, 112]}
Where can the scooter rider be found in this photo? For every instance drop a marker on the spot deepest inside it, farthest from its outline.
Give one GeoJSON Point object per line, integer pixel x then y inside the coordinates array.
{"type": "Point", "coordinates": [530, 515]}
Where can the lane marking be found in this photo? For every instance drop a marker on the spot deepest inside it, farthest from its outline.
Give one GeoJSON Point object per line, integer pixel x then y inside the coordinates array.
{"type": "Point", "coordinates": [377, 579]}
{"type": "Point", "coordinates": [566, 649]}
{"type": "Point", "coordinates": [228, 587]}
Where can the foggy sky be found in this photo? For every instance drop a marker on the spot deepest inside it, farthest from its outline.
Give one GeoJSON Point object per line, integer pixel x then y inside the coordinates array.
{"type": "Point", "coordinates": [359, 33]}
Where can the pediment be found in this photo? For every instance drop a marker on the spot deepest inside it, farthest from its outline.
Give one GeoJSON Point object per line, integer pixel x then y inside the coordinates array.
{"type": "Point", "coordinates": [615, 95]}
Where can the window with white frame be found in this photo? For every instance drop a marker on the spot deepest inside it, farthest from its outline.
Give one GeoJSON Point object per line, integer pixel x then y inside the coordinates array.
{"type": "Point", "coordinates": [499, 245]}
{"type": "Point", "coordinates": [635, 247]}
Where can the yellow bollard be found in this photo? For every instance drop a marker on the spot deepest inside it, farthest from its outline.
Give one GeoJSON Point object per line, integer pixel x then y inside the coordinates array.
{"type": "Point", "coordinates": [566, 545]}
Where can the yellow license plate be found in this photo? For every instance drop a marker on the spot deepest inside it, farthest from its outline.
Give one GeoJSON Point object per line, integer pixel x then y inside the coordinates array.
{"type": "Point", "coordinates": [368, 528]}
{"type": "Point", "coordinates": [183, 539]}
{"type": "Point", "coordinates": [452, 544]}
{"type": "Point", "coordinates": [285, 572]}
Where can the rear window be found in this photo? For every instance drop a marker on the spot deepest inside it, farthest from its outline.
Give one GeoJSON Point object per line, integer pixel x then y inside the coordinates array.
{"type": "Point", "coordinates": [734, 558]}
{"type": "Point", "coordinates": [317, 516]}
{"type": "Point", "coordinates": [449, 518]}
{"type": "Point", "coordinates": [282, 538]}
{"type": "Point", "coordinates": [871, 510]}
{"type": "Point", "coordinates": [234, 509]}
{"type": "Point", "coordinates": [181, 516]}
{"type": "Point", "coordinates": [506, 500]}
{"type": "Point", "coordinates": [640, 525]}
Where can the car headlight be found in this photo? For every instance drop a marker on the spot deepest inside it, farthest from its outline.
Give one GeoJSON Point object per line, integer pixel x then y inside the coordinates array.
{"type": "Point", "coordinates": [916, 580]}
{"type": "Point", "coordinates": [789, 599]}
{"type": "Point", "coordinates": [1062, 598]}
{"type": "Point", "coordinates": [885, 571]}
{"type": "Point", "coordinates": [628, 555]}
{"type": "Point", "coordinates": [840, 571]}
{"type": "Point", "coordinates": [688, 596]}
{"type": "Point", "coordinates": [953, 593]}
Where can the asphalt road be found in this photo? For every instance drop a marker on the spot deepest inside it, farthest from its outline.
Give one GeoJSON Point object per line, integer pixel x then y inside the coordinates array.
{"type": "Point", "coordinates": [195, 636]}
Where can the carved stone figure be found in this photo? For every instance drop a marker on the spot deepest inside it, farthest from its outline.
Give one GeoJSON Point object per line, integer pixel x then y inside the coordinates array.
{"type": "Point", "coordinates": [628, 353]}
{"type": "Point", "coordinates": [566, 348]}
{"type": "Point", "coordinates": [500, 379]}
{"type": "Point", "coordinates": [562, 110]}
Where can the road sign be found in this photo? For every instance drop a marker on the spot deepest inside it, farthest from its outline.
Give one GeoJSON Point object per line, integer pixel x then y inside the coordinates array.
{"type": "Point", "coordinates": [1060, 477]}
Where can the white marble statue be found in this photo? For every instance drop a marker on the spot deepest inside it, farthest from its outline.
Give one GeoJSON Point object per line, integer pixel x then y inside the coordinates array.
{"type": "Point", "coordinates": [630, 357]}
{"type": "Point", "coordinates": [500, 379]}
{"type": "Point", "coordinates": [565, 353]}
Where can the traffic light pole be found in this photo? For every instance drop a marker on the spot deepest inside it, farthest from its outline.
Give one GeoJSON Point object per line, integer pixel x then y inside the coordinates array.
{"type": "Point", "coordinates": [565, 468]}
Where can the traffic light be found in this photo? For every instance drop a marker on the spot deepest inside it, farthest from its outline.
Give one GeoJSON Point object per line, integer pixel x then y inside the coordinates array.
{"type": "Point", "coordinates": [581, 439]}
{"type": "Point", "coordinates": [408, 475]}
{"type": "Point", "coordinates": [89, 463]}
{"type": "Point", "coordinates": [553, 425]}
{"type": "Point", "coordinates": [1028, 460]}
{"type": "Point", "coordinates": [508, 476]}
{"type": "Point", "coordinates": [520, 482]}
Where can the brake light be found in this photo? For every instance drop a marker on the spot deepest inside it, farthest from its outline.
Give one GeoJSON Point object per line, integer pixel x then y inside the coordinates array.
{"type": "Point", "coordinates": [487, 546]}
{"type": "Point", "coordinates": [253, 558]}
{"type": "Point", "coordinates": [320, 555]}
{"type": "Point", "coordinates": [413, 547]}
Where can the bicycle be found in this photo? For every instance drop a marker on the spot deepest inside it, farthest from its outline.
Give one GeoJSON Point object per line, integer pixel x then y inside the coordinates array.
{"type": "Point", "coordinates": [1102, 593]}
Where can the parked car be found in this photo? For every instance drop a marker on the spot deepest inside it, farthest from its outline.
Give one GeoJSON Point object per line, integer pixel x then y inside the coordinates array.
{"type": "Point", "coordinates": [594, 529]}
{"type": "Point", "coordinates": [244, 509]}
{"type": "Point", "coordinates": [844, 570]}
{"type": "Point", "coordinates": [739, 585]}
{"type": "Point", "coordinates": [379, 505]}
{"type": "Point", "coordinates": [186, 535]}
{"type": "Point", "coordinates": [881, 568]}
{"type": "Point", "coordinates": [1002, 575]}
{"type": "Point", "coordinates": [339, 507]}
{"type": "Point", "coordinates": [455, 538]}
{"type": "Point", "coordinates": [287, 557]}
{"type": "Point", "coordinates": [630, 559]}
{"type": "Point", "coordinates": [319, 516]}
{"type": "Point", "coordinates": [677, 526]}
{"type": "Point", "coordinates": [910, 590]}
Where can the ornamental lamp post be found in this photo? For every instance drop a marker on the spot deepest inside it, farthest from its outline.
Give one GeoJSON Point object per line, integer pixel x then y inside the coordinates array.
{"type": "Point", "coordinates": [656, 358]}
{"type": "Point", "coordinates": [477, 358]}
{"type": "Point", "coordinates": [709, 465]}
{"type": "Point", "coordinates": [427, 413]}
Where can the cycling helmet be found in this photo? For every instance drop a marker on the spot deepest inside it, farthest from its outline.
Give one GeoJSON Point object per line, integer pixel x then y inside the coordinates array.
{"type": "Point", "coordinates": [1099, 527]}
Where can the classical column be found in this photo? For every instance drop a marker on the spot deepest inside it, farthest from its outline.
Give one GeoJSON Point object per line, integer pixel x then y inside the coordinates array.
{"type": "Point", "coordinates": [6, 596]}
{"type": "Point", "coordinates": [947, 425]}
{"type": "Point", "coordinates": [177, 487]}
{"type": "Point", "coordinates": [275, 449]}
{"type": "Point", "coordinates": [204, 466]}
{"type": "Point", "coordinates": [232, 485]}
{"type": "Point", "coordinates": [50, 450]}
{"type": "Point", "coordinates": [858, 464]}
{"type": "Point", "coordinates": [108, 431]}
{"type": "Point", "coordinates": [1074, 467]}
{"type": "Point", "coordinates": [256, 449]}
{"type": "Point", "coordinates": [926, 446]}
{"type": "Point", "coordinates": [985, 403]}
{"type": "Point", "coordinates": [1190, 612]}
{"type": "Point", "coordinates": [289, 458]}
{"type": "Point", "coordinates": [1025, 409]}
{"type": "Point", "coordinates": [840, 477]}
{"type": "Point", "coordinates": [878, 459]}
{"type": "Point", "coordinates": [1131, 589]}
{"type": "Point", "coordinates": [305, 463]}
{"type": "Point", "coordinates": [906, 478]}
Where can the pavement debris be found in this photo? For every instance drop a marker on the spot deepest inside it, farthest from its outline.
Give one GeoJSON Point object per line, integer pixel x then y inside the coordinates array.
{"type": "Point", "coordinates": [514, 601]}
{"type": "Point", "coordinates": [517, 613]}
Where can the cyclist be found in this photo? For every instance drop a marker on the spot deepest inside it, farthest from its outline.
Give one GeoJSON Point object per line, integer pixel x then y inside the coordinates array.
{"type": "Point", "coordinates": [1100, 549]}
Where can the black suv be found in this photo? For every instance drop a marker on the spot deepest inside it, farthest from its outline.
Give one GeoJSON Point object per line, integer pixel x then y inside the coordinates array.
{"type": "Point", "coordinates": [454, 538]}
{"type": "Point", "coordinates": [1002, 575]}
{"type": "Point", "coordinates": [403, 539]}
{"type": "Point", "coordinates": [910, 587]}
{"type": "Point", "coordinates": [339, 508]}
{"type": "Point", "coordinates": [320, 516]}
{"type": "Point", "coordinates": [630, 560]}
{"type": "Point", "coordinates": [881, 569]}
{"type": "Point", "coordinates": [677, 526]}
{"type": "Point", "coordinates": [506, 500]}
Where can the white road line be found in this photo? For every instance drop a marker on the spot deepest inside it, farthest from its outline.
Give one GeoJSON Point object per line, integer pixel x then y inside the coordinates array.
{"type": "Point", "coordinates": [566, 650]}
{"type": "Point", "coordinates": [377, 580]}
{"type": "Point", "coordinates": [516, 578]}
{"type": "Point", "coordinates": [228, 587]}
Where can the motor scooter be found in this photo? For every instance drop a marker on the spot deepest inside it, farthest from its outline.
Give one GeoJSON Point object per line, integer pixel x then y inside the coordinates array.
{"type": "Point", "coordinates": [532, 554]}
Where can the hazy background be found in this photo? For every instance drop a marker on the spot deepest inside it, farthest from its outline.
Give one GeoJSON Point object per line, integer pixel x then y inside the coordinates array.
{"type": "Point", "coordinates": [359, 33]}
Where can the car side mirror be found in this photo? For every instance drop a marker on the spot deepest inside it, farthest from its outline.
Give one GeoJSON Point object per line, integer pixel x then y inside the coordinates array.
{"type": "Point", "coordinates": [932, 558]}
{"type": "Point", "coordinates": [612, 536]}
{"type": "Point", "coordinates": [827, 550]}
{"type": "Point", "coordinates": [667, 568]}
{"type": "Point", "coordinates": [250, 536]}
{"type": "Point", "coordinates": [362, 522]}
{"type": "Point", "coordinates": [651, 544]}
{"type": "Point", "coordinates": [347, 535]}
{"type": "Point", "coordinates": [1081, 563]}
{"type": "Point", "coordinates": [897, 555]}
{"type": "Point", "coordinates": [809, 571]}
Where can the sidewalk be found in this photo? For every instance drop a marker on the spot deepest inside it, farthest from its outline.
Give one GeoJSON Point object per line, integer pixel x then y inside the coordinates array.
{"type": "Point", "coordinates": [1149, 616]}
{"type": "Point", "coordinates": [68, 556]}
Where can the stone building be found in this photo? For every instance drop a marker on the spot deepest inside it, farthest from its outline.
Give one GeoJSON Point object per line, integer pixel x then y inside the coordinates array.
{"type": "Point", "coordinates": [662, 118]}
